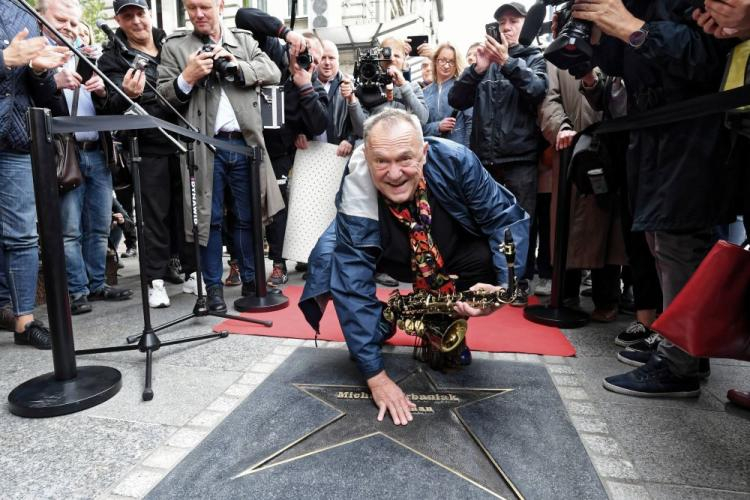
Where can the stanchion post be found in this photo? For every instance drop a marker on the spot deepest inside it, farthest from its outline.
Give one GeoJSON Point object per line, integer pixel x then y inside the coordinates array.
{"type": "Point", "coordinates": [555, 314]}
{"type": "Point", "coordinates": [262, 301]}
{"type": "Point", "coordinates": [68, 389]}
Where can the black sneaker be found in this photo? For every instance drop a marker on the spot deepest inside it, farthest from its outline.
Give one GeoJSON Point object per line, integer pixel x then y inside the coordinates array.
{"type": "Point", "coordinates": [522, 298]}
{"type": "Point", "coordinates": [634, 358]}
{"type": "Point", "coordinates": [172, 274]}
{"type": "Point", "coordinates": [385, 280]}
{"type": "Point", "coordinates": [640, 358]}
{"type": "Point", "coordinates": [35, 334]}
{"type": "Point", "coordinates": [654, 379]}
{"type": "Point", "coordinates": [301, 267]}
{"type": "Point", "coordinates": [634, 333]}
{"type": "Point", "coordinates": [649, 344]}
{"type": "Point", "coordinates": [215, 299]}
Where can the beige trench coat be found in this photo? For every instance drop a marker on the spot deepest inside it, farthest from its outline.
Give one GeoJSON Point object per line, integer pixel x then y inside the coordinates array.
{"type": "Point", "coordinates": [595, 238]}
{"type": "Point", "coordinates": [257, 69]}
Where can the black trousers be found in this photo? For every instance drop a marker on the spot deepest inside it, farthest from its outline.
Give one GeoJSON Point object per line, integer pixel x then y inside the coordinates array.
{"type": "Point", "coordinates": [605, 285]}
{"type": "Point", "coordinates": [275, 230]}
{"type": "Point", "coordinates": [159, 177]}
{"type": "Point", "coordinates": [125, 197]}
{"type": "Point", "coordinates": [540, 232]}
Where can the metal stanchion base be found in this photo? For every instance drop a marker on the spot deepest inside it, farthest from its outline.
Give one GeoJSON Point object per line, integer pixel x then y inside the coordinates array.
{"type": "Point", "coordinates": [45, 396]}
{"type": "Point", "coordinates": [271, 302]}
{"type": "Point", "coordinates": [561, 317]}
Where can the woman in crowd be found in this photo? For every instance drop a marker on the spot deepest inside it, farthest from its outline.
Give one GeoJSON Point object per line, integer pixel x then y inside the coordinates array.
{"type": "Point", "coordinates": [444, 121]}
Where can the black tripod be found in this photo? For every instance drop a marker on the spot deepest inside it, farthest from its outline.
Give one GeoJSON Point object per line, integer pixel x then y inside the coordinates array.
{"type": "Point", "coordinates": [149, 341]}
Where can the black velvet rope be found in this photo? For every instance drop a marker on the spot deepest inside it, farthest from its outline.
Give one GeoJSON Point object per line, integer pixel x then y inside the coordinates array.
{"type": "Point", "coordinates": [109, 123]}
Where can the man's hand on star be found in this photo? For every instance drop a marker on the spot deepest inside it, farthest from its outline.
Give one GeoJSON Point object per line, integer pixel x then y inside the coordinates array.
{"type": "Point", "coordinates": [610, 16]}
{"type": "Point", "coordinates": [389, 397]}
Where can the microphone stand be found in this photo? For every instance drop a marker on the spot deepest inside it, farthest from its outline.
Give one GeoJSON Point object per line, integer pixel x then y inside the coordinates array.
{"type": "Point", "coordinates": [149, 342]}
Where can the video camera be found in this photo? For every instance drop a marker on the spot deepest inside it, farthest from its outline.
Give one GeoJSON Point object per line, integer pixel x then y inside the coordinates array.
{"type": "Point", "coordinates": [369, 76]}
{"type": "Point", "coordinates": [572, 49]}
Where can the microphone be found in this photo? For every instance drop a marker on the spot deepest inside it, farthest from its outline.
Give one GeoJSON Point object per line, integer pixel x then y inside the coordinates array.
{"type": "Point", "coordinates": [111, 35]}
{"type": "Point", "coordinates": [533, 22]}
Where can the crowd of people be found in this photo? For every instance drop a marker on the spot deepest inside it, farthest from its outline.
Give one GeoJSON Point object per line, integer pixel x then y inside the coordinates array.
{"type": "Point", "coordinates": [438, 168]}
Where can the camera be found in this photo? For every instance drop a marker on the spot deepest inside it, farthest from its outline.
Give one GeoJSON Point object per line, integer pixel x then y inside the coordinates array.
{"type": "Point", "coordinates": [572, 49]}
{"type": "Point", "coordinates": [140, 63]}
{"type": "Point", "coordinates": [305, 60]}
{"type": "Point", "coordinates": [369, 76]}
{"type": "Point", "coordinates": [223, 66]}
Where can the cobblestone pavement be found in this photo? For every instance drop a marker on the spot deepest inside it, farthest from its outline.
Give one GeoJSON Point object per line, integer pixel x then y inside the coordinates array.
{"type": "Point", "coordinates": [658, 449]}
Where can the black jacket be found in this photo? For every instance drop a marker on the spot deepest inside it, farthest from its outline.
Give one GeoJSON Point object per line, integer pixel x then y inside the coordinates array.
{"type": "Point", "coordinates": [305, 108]}
{"type": "Point", "coordinates": [505, 100]}
{"type": "Point", "coordinates": [339, 125]}
{"type": "Point", "coordinates": [677, 173]}
{"type": "Point", "coordinates": [115, 63]}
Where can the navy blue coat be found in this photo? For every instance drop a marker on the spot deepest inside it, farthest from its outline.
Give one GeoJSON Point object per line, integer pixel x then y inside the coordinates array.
{"type": "Point", "coordinates": [677, 173]}
{"type": "Point", "coordinates": [342, 264]}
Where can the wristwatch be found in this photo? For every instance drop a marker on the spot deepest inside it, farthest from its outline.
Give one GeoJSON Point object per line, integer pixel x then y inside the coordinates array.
{"type": "Point", "coordinates": [638, 37]}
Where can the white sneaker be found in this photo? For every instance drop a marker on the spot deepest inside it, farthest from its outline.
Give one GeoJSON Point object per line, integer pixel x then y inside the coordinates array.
{"type": "Point", "coordinates": [157, 295]}
{"type": "Point", "coordinates": [191, 285]}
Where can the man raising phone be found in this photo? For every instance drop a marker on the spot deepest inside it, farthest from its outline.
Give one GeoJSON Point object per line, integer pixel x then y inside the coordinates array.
{"type": "Point", "coordinates": [505, 86]}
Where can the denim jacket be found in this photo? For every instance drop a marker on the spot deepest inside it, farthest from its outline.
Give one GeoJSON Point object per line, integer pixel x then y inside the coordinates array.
{"type": "Point", "coordinates": [20, 88]}
{"type": "Point", "coordinates": [436, 99]}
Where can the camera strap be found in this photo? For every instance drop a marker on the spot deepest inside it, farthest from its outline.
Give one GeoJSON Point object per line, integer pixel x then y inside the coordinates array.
{"type": "Point", "coordinates": [711, 104]}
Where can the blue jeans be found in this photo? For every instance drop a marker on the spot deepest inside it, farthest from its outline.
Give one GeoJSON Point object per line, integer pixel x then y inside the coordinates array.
{"type": "Point", "coordinates": [233, 170]}
{"type": "Point", "coordinates": [18, 237]}
{"type": "Point", "coordinates": [86, 215]}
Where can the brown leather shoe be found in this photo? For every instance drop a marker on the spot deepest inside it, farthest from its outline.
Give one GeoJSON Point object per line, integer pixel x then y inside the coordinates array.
{"type": "Point", "coordinates": [604, 315]}
{"type": "Point", "coordinates": [740, 398]}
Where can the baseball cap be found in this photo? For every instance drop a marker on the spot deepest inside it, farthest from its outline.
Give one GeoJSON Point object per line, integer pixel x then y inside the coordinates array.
{"type": "Point", "coordinates": [519, 8]}
{"type": "Point", "coordinates": [118, 5]}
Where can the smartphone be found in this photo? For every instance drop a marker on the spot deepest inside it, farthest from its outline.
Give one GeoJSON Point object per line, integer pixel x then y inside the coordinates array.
{"type": "Point", "coordinates": [493, 29]}
{"type": "Point", "coordinates": [85, 70]}
{"type": "Point", "coordinates": [416, 41]}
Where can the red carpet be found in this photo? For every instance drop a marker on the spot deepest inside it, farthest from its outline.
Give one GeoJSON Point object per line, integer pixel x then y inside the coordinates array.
{"type": "Point", "coordinates": [504, 331]}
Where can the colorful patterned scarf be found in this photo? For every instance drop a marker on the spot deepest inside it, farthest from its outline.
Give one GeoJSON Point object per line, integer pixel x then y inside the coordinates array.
{"type": "Point", "coordinates": [426, 260]}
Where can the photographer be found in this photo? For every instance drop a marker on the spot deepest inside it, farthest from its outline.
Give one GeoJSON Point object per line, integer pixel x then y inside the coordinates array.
{"type": "Point", "coordinates": [25, 80]}
{"type": "Point", "coordinates": [404, 95]}
{"type": "Point", "coordinates": [677, 173]}
{"type": "Point", "coordinates": [130, 60]}
{"type": "Point", "coordinates": [305, 107]}
{"type": "Point", "coordinates": [212, 72]}
{"type": "Point", "coordinates": [505, 86]}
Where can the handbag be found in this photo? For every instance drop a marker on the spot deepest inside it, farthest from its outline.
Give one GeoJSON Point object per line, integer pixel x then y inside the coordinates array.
{"type": "Point", "coordinates": [67, 156]}
{"type": "Point", "coordinates": [710, 317]}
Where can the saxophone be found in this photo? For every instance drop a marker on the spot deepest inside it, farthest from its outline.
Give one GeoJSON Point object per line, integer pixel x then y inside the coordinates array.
{"type": "Point", "coordinates": [430, 315]}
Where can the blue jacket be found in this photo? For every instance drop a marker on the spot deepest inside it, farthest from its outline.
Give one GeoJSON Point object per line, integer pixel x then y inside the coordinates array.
{"type": "Point", "coordinates": [342, 264]}
{"type": "Point", "coordinates": [20, 88]}
{"type": "Point", "coordinates": [436, 99]}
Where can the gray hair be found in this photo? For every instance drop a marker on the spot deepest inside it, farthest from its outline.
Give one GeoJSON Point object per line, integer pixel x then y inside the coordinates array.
{"type": "Point", "coordinates": [43, 5]}
{"type": "Point", "coordinates": [392, 116]}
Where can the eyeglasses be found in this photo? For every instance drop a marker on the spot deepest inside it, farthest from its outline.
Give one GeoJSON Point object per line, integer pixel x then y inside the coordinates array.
{"type": "Point", "coordinates": [446, 62]}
